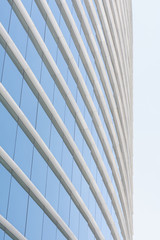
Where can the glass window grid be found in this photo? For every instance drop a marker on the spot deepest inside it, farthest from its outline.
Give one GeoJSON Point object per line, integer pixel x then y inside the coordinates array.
{"type": "Point", "coordinates": [34, 174]}
{"type": "Point", "coordinates": [76, 55]}
{"type": "Point", "coordinates": [85, 76]}
{"type": "Point", "coordinates": [56, 139]}
{"type": "Point", "coordinates": [40, 128]}
{"type": "Point", "coordinates": [22, 51]}
{"type": "Point", "coordinates": [78, 60]}
{"type": "Point", "coordinates": [94, 33]}
{"type": "Point", "coordinates": [89, 86]}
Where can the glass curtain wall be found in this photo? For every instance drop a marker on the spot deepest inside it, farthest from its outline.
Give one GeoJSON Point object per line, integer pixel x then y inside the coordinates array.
{"type": "Point", "coordinates": [51, 110]}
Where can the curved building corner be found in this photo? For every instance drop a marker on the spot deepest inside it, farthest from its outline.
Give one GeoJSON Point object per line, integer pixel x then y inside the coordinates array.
{"type": "Point", "coordinates": [66, 120]}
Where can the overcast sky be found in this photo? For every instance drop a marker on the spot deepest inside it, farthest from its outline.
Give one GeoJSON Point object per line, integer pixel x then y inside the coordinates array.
{"type": "Point", "coordinates": [146, 19]}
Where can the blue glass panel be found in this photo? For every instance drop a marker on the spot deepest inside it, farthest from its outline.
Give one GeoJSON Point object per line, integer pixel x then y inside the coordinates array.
{"type": "Point", "coordinates": [72, 85]}
{"type": "Point", "coordinates": [12, 79]}
{"type": "Point", "coordinates": [69, 3]}
{"type": "Point", "coordinates": [34, 221]}
{"type": "Point", "coordinates": [5, 177]}
{"type": "Point", "coordinates": [27, 4]}
{"type": "Point", "coordinates": [59, 103]}
{"type": "Point", "coordinates": [50, 43]}
{"type": "Point", "coordinates": [1, 234]}
{"type": "Point", "coordinates": [52, 189]}
{"type": "Point", "coordinates": [90, 235]}
{"type": "Point", "coordinates": [16, 30]}
{"type": "Point", "coordinates": [78, 138]}
{"type": "Point", "coordinates": [99, 180]}
{"type": "Point", "coordinates": [74, 219]}
{"type": "Point", "coordinates": [92, 204]}
{"type": "Point", "coordinates": [56, 144]}
{"type": "Point", "coordinates": [64, 204]}
{"type": "Point", "coordinates": [2, 54]}
{"type": "Point", "coordinates": [93, 168]}
{"type": "Point", "coordinates": [80, 102]}
{"type": "Point", "coordinates": [54, 9]}
{"type": "Point", "coordinates": [62, 66]}
{"type": "Point", "coordinates": [7, 237]}
{"type": "Point", "coordinates": [33, 62]}
{"type": "Point", "coordinates": [17, 206]}
{"type": "Point", "coordinates": [83, 228]}
{"type": "Point", "coordinates": [47, 83]}
{"type": "Point", "coordinates": [96, 103]}
{"type": "Point", "coordinates": [7, 131]}
{"type": "Point", "coordinates": [88, 118]}
{"type": "Point", "coordinates": [5, 11]}
{"type": "Point", "coordinates": [38, 19]}
{"type": "Point", "coordinates": [49, 229]}
{"type": "Point", "coordinates": [43, 125]}
{"type": "Point", "coordinates": [78, 24]}
{"type": "Point", "coordinates": [39, 172]}
{"type": "Point", "coordinates": [60, 236]}
{"type": "Point", "coordinates": [64, 29]}
{"type": "Point", "coordinates": [69, 121]}
{"type": "Point", "coordinates": [86, 154]}
{"type": "Point", "coordinates": [98, 216]}
{"type": "Point", "coordinates": [74, 50]}
{"type": "Point", "coordinates": [29, 104]}
{"type": "Point", "coordinates": [76, 177]}
{"type": "Point", "coordinates": [67, 161]}
{"type": "Point", "coordinates": [82, 69]}
{"type": "Point", "coordinates": [23, 152]}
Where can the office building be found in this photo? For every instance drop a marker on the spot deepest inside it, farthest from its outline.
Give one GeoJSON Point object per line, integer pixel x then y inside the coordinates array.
{"type": "Point", "coordinates": [66, 119]}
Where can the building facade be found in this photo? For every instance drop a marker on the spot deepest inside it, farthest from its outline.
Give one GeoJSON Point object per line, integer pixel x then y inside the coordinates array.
{"type": "Point", "coordinates": [66, 119]}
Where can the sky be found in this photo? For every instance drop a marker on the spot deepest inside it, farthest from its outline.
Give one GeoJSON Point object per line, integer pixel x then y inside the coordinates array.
{"type": "Point", "coordinates": [146, 62]}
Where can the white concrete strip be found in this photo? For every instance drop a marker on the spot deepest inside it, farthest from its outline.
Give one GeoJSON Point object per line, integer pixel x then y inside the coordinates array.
{"type": "Point", "coordinates": [8, 228]}
{"type": "Point", "coordinates": [31, 189]}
